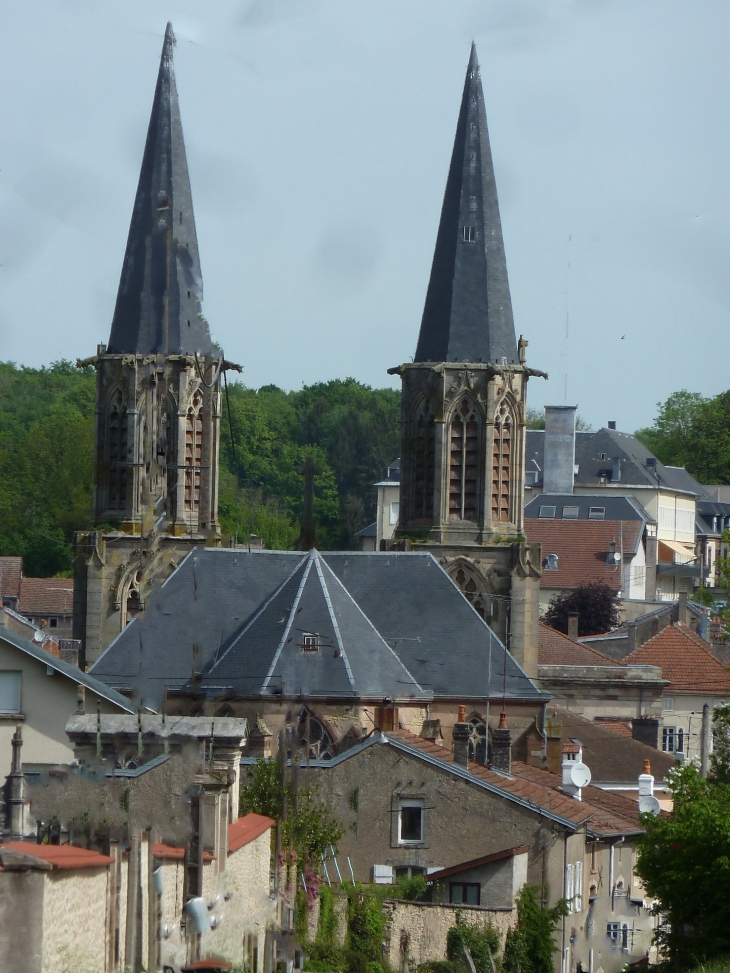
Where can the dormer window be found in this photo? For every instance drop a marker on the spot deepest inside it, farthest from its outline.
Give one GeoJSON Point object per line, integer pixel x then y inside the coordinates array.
{"type": "Point", "coordinates": [310, 643]}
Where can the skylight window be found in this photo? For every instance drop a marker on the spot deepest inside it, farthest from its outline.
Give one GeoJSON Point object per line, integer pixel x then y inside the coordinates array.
{"type": "Point", "coordinates": [310, 643]}
{"type": "Point", "coordinates": [547, 513]}
{"type": "Point", "coordinates": [570, 513]}
{"type": "Point", "coordinates": [596, 513]}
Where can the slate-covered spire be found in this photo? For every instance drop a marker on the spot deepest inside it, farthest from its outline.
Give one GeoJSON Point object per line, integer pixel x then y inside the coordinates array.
{"type": "Point", "coordinates": [468, 311]}
{"type": "Point", "coordinates": [158, 309]}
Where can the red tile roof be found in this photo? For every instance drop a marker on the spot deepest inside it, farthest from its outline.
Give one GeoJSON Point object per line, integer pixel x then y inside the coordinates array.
{"type": "Point", "coordinates": [245, 829]}
{"type": "Point", "coordinates": [686, 660]}
{"type": "Point", "coordinates": [605, 813]}
{"type": "Point", "coordinates": [62, 856]}
{"type": "Point", "coordinates": [614, 724]}
{"type": "Point", "coordinates": [171, 851]}
{"type": "Point", "coordinates": [582, 546]}
{"type": "Point", "coordinates": [557, 649]}
{"type": "Point", "coordinates": [478, 862]}
{"type": "Point", "coordinates": [11, 570]}
{"type": "Point", "coordinates": [46, 596]}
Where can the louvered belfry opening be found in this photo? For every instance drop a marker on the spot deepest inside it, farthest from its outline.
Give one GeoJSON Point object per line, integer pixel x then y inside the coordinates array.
{"type": "Point", "coordinates": [463, 462]}
{"type": "Point", "coordinates": [424, 462]}
{"type": "Point", "coordinates": [117, 440]}
{"type": "Point", "coordinates": [502, 465]}
{"type": "Point", "coordinates": [193, 453]}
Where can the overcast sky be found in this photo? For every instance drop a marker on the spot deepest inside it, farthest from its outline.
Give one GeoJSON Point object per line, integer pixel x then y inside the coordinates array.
{"type": "Point", "coordinates": [319, 134]}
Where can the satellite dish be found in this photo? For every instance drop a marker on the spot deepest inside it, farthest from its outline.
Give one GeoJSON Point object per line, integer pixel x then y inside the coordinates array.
{"type": "Point", "coordinates": [38, 636]}
{"type": "Point", "coordinates": [649, 805]}
{"type": "Point", "coordinates": [580, 775]}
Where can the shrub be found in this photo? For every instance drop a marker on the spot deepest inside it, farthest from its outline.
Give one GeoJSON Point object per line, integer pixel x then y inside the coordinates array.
{"type": "Point", "coordinates": [482, 943]}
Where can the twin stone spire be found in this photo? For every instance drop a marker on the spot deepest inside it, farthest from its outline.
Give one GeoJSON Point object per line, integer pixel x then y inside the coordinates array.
{"type": "Point", "coordinates": [468, 311]}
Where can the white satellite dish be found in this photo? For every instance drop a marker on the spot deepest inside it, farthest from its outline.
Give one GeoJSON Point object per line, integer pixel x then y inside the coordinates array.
{"type": "Point", "coordinates": [580, 775]}
{"type": "Point", "coordinates": [38, 636]}
{"type": "Point", "coordinates": [649, 805]}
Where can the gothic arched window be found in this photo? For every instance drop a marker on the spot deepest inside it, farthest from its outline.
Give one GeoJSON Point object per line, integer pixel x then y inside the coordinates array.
{"type": "Point", "coordinates": [470, 589]}
{"type": "Point", "coordinates": [314, 737]}
{"type": "Point", "coordinates": [502, 463]}
{"type": "Point", "coordinates": [193, 452]}
{"type": "Point", "coordinates": [463, 462]}
{"type": "Point", "coordinates": [477, 740]}
{"type": "Point", "coordinates": [425, 433]}
{"type": "Point", "coordinates": [117, 442]}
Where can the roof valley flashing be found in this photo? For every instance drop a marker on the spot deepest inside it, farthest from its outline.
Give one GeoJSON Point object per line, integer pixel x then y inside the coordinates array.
{"type": "Point", "coordinates": [273, 624]}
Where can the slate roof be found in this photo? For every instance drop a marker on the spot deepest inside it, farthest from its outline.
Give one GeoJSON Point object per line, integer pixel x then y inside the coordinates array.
{"type": "Point", "coordinates": [468, 310]}
{"type": "Point", "coordinates": [158, 307]}
{"type": "Point", "coordinates": [582, 547]}
{"type": "Point", "coordinates": [11, 570]}
{"type": "Point", "coordinates": [686, 660]}
{"type": "Point", "coordinates": [389, 625]}
{"type": "Point", "coordinates": [46, 596]}
{"type": "Point", "coordinates": [613, 445]}
{"type": "Point", "coordinates": [615, 507]}
{"type": "Point", "coordinates": [557, 649]}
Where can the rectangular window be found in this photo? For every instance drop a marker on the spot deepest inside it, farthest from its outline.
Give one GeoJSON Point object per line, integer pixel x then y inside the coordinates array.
{"type": "Point", "coordinates": [667, 702]}
{"type": "Point", "coordinates": [470, 234]}
{"type": "Point", "coordinates": [386, 718]}
{"type": "Point", "coordinates": [410, 824]}
{"type": "Point", "coordinates": [9, 692]}
{"type": "Point", "coordinates": [53, 622]}
{"type": "Point", "coordinates": [613, 931]}
{"type": "Point", "coordinates": [547, 513]}
{"type": "Point", "coordinates": [570, 513]}
{"type": "Point", "coordinates": [394, 511]}
{"type": "Point", "coordinates": [408, 871]}
{"type": "Point", "coordinates": [464, 893]}
{"type": "Point", "coordinates": [672, 739]}
{"type": "Point", "coordinates": [596, 513]}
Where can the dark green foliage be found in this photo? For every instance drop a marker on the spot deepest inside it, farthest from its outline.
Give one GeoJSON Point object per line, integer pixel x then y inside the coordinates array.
{"type": "Point", "coordinates": [482, 942]}
{"type": "Point", "coordinates": [301, 915]}
{"type": "Point", "coordinates": [529, 947]}
{"type": "Point", "coordinates": [46, 462]}
{"type": "Point", "coordinates": [684, 863]}
{"type": "Point", "coordinates": [412, 888]}
{"type": "Point", "coordinates": [366, 922]}
{"type": "Point", "coordinates": [311, 828]}
{"type": "Point", "coordinates": [47, 454]}
{"type": "Point", "coordinates": [439, 966]}
{"type": "Point", "coordinates": [720, 758]}
{"type": "Point", "coordinates": [692, 431]}
{"type": "Point", "coordinates": [536, 420]}
{"type": "Point", "coordinates": [597, 608]}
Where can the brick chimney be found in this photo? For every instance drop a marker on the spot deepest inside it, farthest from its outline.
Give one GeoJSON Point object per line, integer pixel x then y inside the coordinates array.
{"type": "Point", "coordinates": [573, 619]}
{"type": "Point", "coordinates": [502, 746]}
{"type": "Point", "coordinates": [683, 615]}
{"type": "Point", "coordinates": [460, 737]}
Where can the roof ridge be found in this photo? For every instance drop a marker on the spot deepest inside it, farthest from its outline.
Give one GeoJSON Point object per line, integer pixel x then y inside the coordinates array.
{"type": "Point", "coordinates": [290, 622]}
{"type": "Point", "coordinates": [333, 618]}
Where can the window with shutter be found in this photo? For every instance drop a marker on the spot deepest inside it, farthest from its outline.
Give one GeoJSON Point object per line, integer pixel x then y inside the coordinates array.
{"type": "Point", "coordinates": [578, 899]}
{"type": "Point", "coordinates": [569, 887]}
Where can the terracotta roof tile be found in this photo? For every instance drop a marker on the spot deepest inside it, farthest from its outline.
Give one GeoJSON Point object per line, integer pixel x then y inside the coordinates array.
{"type": "Point", "coordinates": [686, 660]}
{"type": "Point", "coordinates": [582, 546]}
{"type": "Point", "coordinates": [160, 850]}
{"type": "Point", "coordinates": [246, 828]}
{"type": "Point", "coordinates": [614, 724]}
{"type": "Point", "coordinates": [11, 570]}
{"type": "Point", "coordinates": [557, 649]}
{"type": "Point", "coordinates": [62, 856]}
{"type": "Point", "coordinates": [46, 596]}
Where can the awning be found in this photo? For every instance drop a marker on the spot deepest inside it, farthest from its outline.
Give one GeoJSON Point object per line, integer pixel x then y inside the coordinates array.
{"type": "Point", "coordinates": [684, 550]}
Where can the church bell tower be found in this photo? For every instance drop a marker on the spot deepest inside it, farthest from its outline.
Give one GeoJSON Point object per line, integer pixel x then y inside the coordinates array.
{"type": "Point", "coordinates": [464, 403]}
{"type": "Point", "coordinates": [158, 397]}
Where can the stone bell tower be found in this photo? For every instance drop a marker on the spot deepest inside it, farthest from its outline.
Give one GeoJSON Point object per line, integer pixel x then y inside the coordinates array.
{"type": "Point", "coordinates": [158, 398]}
{"type": "Point", "coordinates": [464, 403]}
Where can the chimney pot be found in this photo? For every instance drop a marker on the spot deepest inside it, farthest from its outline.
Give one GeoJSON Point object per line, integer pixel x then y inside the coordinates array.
{"type": "Point", "coordinates": [647, 766]}
{"type": "Point", "coordinates": [611, 423]}
{"type": "Point", "coordinates": [502, 721]}
{"type": "Point", "coordinates": [462, 714]}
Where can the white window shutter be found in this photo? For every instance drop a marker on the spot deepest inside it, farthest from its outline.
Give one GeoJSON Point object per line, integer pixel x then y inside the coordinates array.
{"type": "Point", "coordinates": [578, 887]}
{"type": "Point", "coordinates": [569, 887]}
{"type": "Point", "coordinates": [383, 874]}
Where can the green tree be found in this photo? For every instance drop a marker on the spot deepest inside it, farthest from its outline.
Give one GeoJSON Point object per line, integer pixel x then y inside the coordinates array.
{"type": "Point", "coordinates": [595, 603]}
{"type": "Point", "coordinates": [530, 946]}
{"type": "Point", "coordinates": [684, 863]}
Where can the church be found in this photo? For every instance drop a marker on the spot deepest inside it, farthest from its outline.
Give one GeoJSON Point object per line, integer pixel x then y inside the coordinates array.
{"type": "Point", "coordinates": [324, 645]}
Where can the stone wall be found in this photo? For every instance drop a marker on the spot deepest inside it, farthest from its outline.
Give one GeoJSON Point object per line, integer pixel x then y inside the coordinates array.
{"type": "Point", "coordinates": [416, 931]}
{"type": "Point", "coordinates": [75, 920]}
